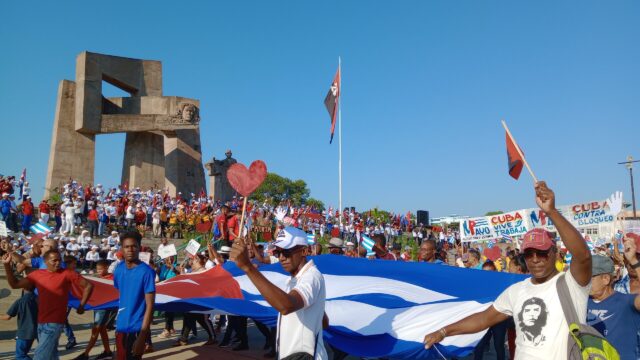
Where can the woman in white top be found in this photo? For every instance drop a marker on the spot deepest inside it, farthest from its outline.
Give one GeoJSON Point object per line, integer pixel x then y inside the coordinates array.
{"type": "Point", "coordinates": [91, 258]}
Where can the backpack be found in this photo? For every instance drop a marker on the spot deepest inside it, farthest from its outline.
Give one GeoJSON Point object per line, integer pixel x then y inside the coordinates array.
{"type": "Point", "coordinates": [585, 342]}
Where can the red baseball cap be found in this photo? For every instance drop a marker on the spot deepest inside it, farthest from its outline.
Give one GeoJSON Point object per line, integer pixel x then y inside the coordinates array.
{"type": "Point", "coordinates": [635, 238]}
{"type": "Point", "coordinates": [539, 239]}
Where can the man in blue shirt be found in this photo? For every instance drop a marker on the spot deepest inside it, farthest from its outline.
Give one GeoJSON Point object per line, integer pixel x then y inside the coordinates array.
{"type": "Point", "coordinates": [5, 208]}
{"type": "Point", "coordinates": [136, 282]}
{"type": "Point", "coordinates": [614, 315]}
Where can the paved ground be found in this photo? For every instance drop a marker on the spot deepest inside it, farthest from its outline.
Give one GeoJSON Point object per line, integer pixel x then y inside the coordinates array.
{"type": "Point", "coordinates": [163, 348]}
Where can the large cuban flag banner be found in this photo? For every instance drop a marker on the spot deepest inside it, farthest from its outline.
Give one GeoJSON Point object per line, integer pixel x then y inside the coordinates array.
{"type": "Point", "coordinates": [376, 308]}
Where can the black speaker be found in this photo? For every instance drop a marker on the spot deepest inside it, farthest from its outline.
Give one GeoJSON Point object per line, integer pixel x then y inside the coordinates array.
{"type": "Point", "coordinates": [423, 217]}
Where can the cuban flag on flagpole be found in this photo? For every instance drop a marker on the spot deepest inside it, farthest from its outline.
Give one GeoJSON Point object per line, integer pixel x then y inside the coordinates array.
{"type": "Point", "coordinates": [376, 308]}
{"type": "Point", "coordinates": [40, 228]}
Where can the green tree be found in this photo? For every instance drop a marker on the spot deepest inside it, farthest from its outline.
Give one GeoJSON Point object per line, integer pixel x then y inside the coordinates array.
{"type": "Point", "coordinates": [491, 213]}
{"type": "Point", "coordinates": [317, 204]}
{"type": "Point", "coordinates": [377, 214]}
{"type": "Point", "coordinates": [276, 188]}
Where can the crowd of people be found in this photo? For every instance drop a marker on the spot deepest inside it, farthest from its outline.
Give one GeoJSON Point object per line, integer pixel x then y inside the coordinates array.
{"type": "Point", "coordinates": [99, 232]}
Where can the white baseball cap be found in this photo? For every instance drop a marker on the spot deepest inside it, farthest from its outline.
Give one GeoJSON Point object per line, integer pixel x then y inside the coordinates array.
{"type": "Point", "coordinates": [290, 237]}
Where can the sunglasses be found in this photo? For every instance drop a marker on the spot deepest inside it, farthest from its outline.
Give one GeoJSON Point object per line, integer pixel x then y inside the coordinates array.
{"type": "Point", "coordinates": [286, 252]}
{"type": "Point", "coordinates": [528, 254]}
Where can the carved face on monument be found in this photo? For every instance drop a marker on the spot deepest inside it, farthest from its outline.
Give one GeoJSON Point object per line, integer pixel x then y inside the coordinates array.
{"type": "Point", "coordinates": [190, 113]}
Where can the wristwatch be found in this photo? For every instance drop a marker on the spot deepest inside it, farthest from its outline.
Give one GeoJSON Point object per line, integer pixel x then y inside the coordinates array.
{"type": "Point", "coordinates": [636, 265]}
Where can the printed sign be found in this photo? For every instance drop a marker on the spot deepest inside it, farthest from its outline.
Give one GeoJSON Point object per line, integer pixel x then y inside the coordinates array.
{"type": "Point", "coordinates": [517, 223]}
{"type": "Point", "coordinates": [166, 251]}
{"type": "Point", "coordinates": [145, 257]}
{"type": "Point", "coordinates": [3, 229]}
{"type": "Point", "coordinates": [193, 247]}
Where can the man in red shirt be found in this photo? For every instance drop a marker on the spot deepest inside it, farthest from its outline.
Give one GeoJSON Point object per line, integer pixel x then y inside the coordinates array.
{"type": "Point", "coordinates": [233, 226]}
{"type": "Point", "coordinates": [53, 285]}
{"type": "Point", "coordinates": [221, 222]}
{"type": "Point", "coordinates": [27, 213]}
{"type": "Point", "coordinates": [92, 221]}
{"type": "Point", "coordinates": [44, 211]}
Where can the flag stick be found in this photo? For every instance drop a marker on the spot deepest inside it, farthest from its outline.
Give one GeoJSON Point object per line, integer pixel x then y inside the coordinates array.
{"type": "Point", "coordinates": [244, 210]}
{"type": "Point", "coordinates": [340, 139]}
{"type": "Point", "coordinates": [506, 128]}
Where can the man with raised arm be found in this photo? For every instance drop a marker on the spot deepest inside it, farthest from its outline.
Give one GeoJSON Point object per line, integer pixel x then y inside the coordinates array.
{"type": "Point", "coordinates": [301, 304]}
{"type": "Point", "coordinates": [53, 285]}
{"type": "Point", "coordinates": [541, 329]}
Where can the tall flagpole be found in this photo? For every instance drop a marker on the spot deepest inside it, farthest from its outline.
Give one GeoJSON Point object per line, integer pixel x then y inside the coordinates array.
{"type": "Point", "coordinates": [340, 139]}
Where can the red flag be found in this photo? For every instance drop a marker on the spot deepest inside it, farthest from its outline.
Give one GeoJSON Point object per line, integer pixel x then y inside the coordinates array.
{"type": "Point", "coordinates": [515, 161]}
{"type": "Point", "coordinates": [331, 101]}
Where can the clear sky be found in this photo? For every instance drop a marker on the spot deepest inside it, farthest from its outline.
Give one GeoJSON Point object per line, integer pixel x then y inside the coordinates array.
{"type": "Point", "coordinates": [425, 85]}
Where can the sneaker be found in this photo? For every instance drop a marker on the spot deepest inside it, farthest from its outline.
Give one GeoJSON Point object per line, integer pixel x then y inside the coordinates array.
{"type": "Point", "coordinates": [104, 356]}
{"type": "Point", "coordinates": [71, 344]}
{"type": "Point", "coordinates": [241, 347]}
{"type": "Point", "coordinates": [82, 356]}
{"type": "Point", "coordinates": [210, 342]}
{"type": "Point", "coordinates": [165, 334]}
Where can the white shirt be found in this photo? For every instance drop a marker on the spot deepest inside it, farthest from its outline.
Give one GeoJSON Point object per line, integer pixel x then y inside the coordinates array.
{"type": "Point", "coordinates": [73, 247]}
{"type": "Point", "coordinates": [541, 328]}
{"type": "Point", "coordinates": [298, 331]}
{"type": "Point", "coordinates": [130, 213]}
{"type": "Point", "coordinates": [92, 256]}
{"type": "Point", "coordinates": [69, 211]}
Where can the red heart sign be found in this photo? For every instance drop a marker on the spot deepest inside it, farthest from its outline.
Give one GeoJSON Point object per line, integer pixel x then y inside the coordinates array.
{"type": "Point", "coordinates": [245, 181]}
{"type": "Point", "coordinates": [492, 254]}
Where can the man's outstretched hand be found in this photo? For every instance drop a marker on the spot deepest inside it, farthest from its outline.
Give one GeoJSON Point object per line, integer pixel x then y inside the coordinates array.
{"type": "Point", "coordinates": [240, 254]}
{"type": "Point", "coordinates": [545, 198]}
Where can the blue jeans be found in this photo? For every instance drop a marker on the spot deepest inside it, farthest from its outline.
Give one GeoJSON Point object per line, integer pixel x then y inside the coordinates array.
{"type": "Point", "coordinates": [68, 331]}
{"type": "Point", "coordinates": [48, 336]}
{"type": "Point", "coordinates": [26, 222]}
{"type": "Point", "coordinates": [22, 349]}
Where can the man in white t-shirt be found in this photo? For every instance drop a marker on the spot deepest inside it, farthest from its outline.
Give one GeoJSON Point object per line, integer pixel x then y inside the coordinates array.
{"type": "Point", "coordinates": [541, 329]}
{"type": "Point", "coordinates": [301, 304]}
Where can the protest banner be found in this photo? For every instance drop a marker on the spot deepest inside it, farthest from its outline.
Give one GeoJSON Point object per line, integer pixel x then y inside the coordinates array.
{"type": "Point", "coordinates": [145, 257]}
{"type": "Point", "coordinates": [192, 247]}
{"type": "Point", "coordinates": [166, 251]}
{"type": "Point", "coordinates": [517, 223]}
{"type": "Point", "coordinates": [3, 229]}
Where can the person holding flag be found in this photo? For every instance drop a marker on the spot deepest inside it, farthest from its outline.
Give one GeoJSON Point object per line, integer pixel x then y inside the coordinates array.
{"type": "Point", "coordinates": [541, 328]}
{"type": "Point", "coordinates": [301, 305]}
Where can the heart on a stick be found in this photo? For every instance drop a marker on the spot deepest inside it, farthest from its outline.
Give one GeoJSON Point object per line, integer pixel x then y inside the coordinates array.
{"type": "Point", "coordinates": [492, 254]}
{"type": "Point", "coordinates": [245, 181]}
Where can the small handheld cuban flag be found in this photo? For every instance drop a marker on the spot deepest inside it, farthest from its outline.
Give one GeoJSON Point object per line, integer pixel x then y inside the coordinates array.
{"type": "Point", "coordinates": [506, 237]}
{"type": "Point", "coordinates": [40, 228]}
{"type": "Point", "coordinates": [311, 239]}
{"type": "Point", "coordinates": [367, 243]}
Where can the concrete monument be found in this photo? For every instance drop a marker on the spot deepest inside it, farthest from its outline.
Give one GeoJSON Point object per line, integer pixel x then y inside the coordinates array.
{"type": "Point", "coordinates": [162, 146]}
{"type": "Point", "coordinates": [218, 183]}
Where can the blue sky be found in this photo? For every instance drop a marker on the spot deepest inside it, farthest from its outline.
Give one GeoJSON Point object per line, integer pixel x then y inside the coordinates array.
{"type": "Point", "coordinates": [425, 85]}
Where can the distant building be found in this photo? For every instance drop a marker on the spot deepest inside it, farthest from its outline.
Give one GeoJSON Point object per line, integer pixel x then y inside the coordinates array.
{"type": "Point", "coordinates": [448, 219]}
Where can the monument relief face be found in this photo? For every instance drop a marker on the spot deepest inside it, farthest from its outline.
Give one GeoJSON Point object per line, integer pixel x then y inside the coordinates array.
{"type": "Point", "coordinates": [157, 126]}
